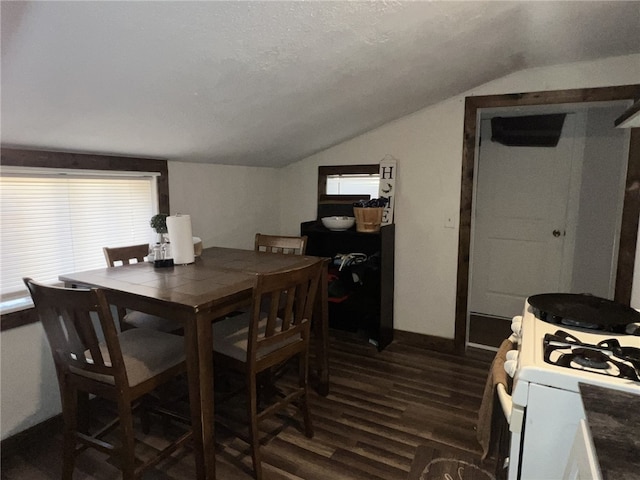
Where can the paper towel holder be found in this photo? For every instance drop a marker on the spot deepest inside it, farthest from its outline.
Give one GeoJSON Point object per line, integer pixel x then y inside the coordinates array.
{"type": "Point", "coordinates": [181, 235]}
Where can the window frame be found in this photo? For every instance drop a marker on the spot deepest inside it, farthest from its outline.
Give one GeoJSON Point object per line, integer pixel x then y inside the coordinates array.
{"type": "Point", "coordinates": [326, 171]}
{"type": "Point", "coordinates": [80, 161]}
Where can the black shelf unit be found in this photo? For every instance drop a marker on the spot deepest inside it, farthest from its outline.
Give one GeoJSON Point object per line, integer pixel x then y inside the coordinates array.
{"type": "Point", "coordinates": [366, 289]}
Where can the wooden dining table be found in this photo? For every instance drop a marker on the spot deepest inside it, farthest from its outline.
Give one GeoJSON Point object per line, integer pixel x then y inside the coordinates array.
{"type": "Point", "coordinates": [218, 282]}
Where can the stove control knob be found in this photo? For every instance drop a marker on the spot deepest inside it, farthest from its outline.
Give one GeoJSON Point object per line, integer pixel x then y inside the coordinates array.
{"type": "Point", "coordinates": [633, 329]}
{"type": "Point", "coordinates": [510, 367]}
{"type": "Point", "coordinates": [516, 325]}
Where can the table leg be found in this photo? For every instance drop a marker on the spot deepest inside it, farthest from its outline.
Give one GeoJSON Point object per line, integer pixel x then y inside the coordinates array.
{"type": "Point", "coordinates": [321, 331]}
{"type": "Point", "coordinates": [198, 342]}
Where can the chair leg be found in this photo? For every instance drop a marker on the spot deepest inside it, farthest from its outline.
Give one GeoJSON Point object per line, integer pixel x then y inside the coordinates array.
{"type": "Point", "coordinates": [303, 369]}
{"type": "Point", "coordinates": [84, 412]}
{"type": "Point", "coordinates": [70, 415]}
{"type": "Point", "coordinates": [266, 387]}
{"type": "Point", "coordinates": [127, 448]}
{"type": "Point", "coordinates": [145, 419]}
{"type": "Point", "coordinates": [253, 426]}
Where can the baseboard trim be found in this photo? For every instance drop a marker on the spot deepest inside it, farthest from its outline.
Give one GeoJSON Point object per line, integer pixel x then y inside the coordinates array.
{"type": "Point", "coordinates": [480, 346]}
{"type": "Point", "coordinates": [431, 342]}
{"type": "Point", "coordinates": [18, 442]}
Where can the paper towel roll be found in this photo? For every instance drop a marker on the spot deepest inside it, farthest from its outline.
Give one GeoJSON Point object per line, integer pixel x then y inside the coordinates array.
{"type": "Point", "coordinates": [179, 227]}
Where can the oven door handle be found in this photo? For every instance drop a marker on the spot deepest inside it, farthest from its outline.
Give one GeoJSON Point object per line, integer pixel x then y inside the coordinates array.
{"type": "Point", "coordinates": [505, 401]}
{"type": "Point", "coordinates": [512, 412]}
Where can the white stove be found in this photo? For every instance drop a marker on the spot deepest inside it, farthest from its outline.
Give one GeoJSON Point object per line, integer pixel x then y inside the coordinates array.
{"type": "Point", "coordinates": [546, 408]}
{"type": "Point", "coordinates": [532, 368]}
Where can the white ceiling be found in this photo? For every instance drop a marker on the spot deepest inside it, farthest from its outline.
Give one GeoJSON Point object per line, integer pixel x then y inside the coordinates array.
{"type": "Point", "coordinates": [268, 83]}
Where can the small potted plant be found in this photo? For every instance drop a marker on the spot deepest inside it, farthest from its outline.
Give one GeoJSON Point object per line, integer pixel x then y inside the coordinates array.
{"type": "Point", "coordinates": [159, 224]}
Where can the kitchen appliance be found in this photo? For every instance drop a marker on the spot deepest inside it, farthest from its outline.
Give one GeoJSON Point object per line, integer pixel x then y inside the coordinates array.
{"type": "Point", "coordinates": [558, 349]}
{"type": "Point", "coordinates": [584, 311]}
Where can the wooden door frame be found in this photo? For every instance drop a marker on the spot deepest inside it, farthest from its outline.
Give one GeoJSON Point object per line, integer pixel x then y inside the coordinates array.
{"type": "Point", "coordinates": [631, 207]}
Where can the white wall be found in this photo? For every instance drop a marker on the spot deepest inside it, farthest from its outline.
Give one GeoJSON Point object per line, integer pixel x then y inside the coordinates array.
{"type": "Point", "coordinates": [29, 389]}
{"type": "Point", "coordinates": [227, 204]}
{"type": "Point", "coordinates": [604, 168]}
{"type": "Point", "coordinates": [428, 146]}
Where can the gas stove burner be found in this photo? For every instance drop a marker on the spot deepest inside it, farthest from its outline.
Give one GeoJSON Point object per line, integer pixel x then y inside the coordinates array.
{"type": "Point", "coordinates": [630, 353]}
{"type": "Point", "coordinates": [587, 358]}
{"type": "Point", "coordinates": [565, 337]}
{"type": "Point", "coordinates": [606, 357]}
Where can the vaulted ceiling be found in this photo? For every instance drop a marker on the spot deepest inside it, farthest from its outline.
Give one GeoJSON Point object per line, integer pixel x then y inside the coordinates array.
{"type": "Point", "coordinates": [268, 83]}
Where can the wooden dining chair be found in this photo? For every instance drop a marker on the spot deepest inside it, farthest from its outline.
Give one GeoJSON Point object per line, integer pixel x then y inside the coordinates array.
{"type": "Point", "coordinates": [281, 244]}
{"type": "Point", "coordinates": [257, 340]}
{"type": "Point", "coordinates": [131, 318]}
{"type": "Point", "coordinates": [122, 368]}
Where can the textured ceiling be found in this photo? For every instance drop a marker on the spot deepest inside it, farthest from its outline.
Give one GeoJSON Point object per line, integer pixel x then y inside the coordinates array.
{"type": "Point", "coordinates": [268, 83]}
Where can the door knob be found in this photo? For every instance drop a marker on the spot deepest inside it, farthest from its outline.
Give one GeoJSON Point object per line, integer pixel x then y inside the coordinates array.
{"type": "Point", "coordinates": [556, 233]}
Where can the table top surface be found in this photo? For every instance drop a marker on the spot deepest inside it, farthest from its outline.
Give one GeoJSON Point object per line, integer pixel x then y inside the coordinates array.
{"type": "Point", "coordinates": [217, 274]}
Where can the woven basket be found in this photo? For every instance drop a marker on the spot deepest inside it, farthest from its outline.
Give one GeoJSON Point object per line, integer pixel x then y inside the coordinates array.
{"type": "Point", "coordinates": [368, 220]}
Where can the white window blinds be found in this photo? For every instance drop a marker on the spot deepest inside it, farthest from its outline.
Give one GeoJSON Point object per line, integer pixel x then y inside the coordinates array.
{"type": "Point", "coordinates": [353, 184]}
{"type": "Point", "coordinates": [55, 224]}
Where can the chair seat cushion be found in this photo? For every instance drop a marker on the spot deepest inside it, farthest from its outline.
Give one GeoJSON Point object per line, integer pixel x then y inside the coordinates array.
{"type": "Point", "coordinates": [145, 353]}
{"type": "Point", "coordinates": [231, 337]}
{"type": "Point", "coordinates": [145, 320]}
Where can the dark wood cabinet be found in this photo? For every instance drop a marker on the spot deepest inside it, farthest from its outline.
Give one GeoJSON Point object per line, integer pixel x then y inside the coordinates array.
{"type": "Point", "coordinates": [361, 293]}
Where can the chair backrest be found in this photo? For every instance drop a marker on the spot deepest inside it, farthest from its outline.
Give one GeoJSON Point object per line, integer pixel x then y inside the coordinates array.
{"type": "Point", "coordinates": [280, 314]}
{"type": "Point", "coordinates": [125, 254]}
{"type": "Point", "coordinates": [75, 322]}
{"type": "Point", "coordinates": [280, 244]}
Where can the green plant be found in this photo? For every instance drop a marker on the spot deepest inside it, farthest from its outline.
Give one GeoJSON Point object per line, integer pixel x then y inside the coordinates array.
{"type": "Point", "coordinates": [159, 222]}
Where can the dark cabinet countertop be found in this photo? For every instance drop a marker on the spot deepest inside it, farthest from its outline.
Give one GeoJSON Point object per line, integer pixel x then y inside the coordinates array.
{"type": "Point", "coordinates": [614, 421]}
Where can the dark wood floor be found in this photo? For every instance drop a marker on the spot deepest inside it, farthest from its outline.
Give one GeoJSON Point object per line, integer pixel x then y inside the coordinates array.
{"type": "Point", "coordinates": [380, 408]}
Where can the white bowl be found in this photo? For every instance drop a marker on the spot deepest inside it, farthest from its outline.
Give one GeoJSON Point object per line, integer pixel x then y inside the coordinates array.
{"type": "Point", "coordinates": [338, 224]}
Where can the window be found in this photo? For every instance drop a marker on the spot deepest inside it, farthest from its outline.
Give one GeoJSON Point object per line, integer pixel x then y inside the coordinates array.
{"type": "Point", "coordinates": [347, 183]}
{"type": "Point", "coordinates": [353, 184]}
{"type": "Point", "coordinates": [339, 186]}
{"type": "Point", "coordinates": [56, 221]}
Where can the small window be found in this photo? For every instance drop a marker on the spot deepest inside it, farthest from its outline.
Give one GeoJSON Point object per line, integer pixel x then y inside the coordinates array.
{"type": "Point", "coordinates": [347, 183]}
{"type": "Point", "coordinates": [353, 184]}
{"type": "Point", "coordinates": [339, 186]}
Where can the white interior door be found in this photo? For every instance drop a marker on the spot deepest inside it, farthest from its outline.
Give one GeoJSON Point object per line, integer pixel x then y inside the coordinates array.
{"type": "Point", "coordinates": [520, 222]}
